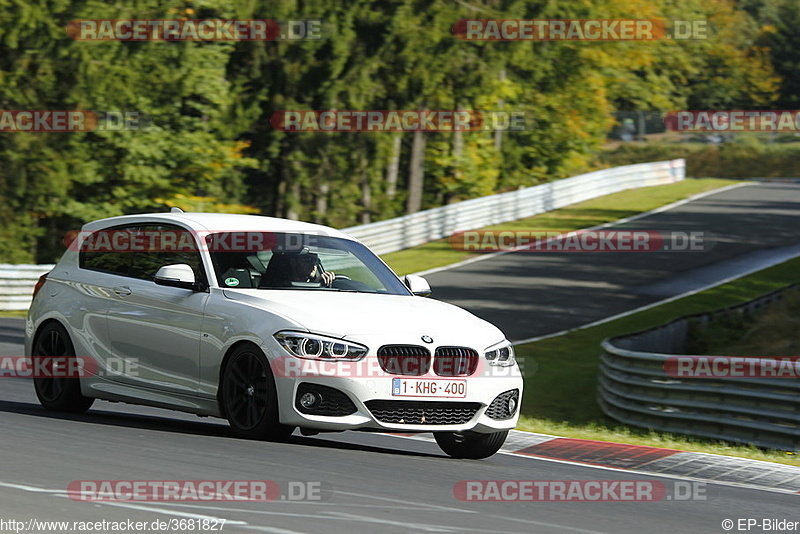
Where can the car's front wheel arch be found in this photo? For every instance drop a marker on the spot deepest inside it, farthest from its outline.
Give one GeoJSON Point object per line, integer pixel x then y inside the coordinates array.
{"type": "Point", "coordinates": [226, 358]}
{"type": "Point", "coordinates": [269, 427]}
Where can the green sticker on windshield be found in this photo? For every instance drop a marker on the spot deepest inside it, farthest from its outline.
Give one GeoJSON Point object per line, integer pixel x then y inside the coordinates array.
{"type": "Point", "coordinates": [232, 281]}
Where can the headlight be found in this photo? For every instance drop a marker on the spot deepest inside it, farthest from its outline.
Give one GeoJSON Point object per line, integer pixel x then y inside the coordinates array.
{"type": "Point", "coordinates": [313, 346]}
{"type": "Point", "coordinates": [501, 354]}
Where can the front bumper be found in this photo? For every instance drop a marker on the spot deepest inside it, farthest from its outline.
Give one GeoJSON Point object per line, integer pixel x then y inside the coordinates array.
{"type": "Point", "coordinates": [375, 407]}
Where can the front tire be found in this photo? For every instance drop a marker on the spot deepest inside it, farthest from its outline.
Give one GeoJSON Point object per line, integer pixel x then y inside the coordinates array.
{"type": "Point", "coordinates": [470, 445]}
{"type": "Point", "coordinates": [61, 394]}
{"type": "Point", "coordinates": [249, 398]}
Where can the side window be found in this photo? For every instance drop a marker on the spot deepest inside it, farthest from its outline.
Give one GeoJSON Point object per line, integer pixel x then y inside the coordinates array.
{"type": "Point", "coordinates": [98, 253]}
{"type": "Point", "coordinates": [166, 249]}
{"type": "Point", "coordinates": [140, 251]}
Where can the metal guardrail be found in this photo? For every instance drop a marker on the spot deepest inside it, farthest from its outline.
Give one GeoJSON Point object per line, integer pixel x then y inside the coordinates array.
{"type": "Point", "coordinates": [634, 388]}
{"type": "Point", "coordinates": [418, 228]}
{"type": "Point", "coordinates": [16, 284]}
{"type": "Point", "coordinates": [17, 281]}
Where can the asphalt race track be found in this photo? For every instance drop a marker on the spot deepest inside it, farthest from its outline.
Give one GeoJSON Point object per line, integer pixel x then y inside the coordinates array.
{"type": "Point", "coordinates": [380, 483]}
{"type": "Point", "coordinates": [372, 483]}
{"type": "Point", "coordinates": [532, 294]}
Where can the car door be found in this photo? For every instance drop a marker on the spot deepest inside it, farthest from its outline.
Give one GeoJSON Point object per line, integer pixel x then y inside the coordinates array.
{"type": "Point", "coordinates": [155, 330]}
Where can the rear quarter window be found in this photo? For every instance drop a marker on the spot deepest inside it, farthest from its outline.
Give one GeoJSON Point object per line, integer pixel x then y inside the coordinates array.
{"type": "Point", "coordinates": [97, 253]}
{"type": "Point", "coordinates": [95, 256]}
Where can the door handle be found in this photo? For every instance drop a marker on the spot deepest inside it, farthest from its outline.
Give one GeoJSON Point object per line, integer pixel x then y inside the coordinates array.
{"type": "Point", "coordinates": [122, 291]}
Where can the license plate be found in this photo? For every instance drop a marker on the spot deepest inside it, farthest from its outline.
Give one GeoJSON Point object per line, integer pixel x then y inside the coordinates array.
{"type": "Point", "coordinates": [424, 387]}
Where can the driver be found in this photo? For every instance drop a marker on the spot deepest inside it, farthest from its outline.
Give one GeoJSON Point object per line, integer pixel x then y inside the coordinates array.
{"type": "Point", "coordinates": [305, 267]}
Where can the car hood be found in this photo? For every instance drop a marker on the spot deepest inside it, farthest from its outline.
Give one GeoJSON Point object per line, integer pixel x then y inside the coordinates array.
{"type": "Point", "coordinates": [367, 316]}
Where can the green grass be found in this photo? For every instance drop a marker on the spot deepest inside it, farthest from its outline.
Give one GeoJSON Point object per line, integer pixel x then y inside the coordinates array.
{"type": "Point", "coordinates": [21, 313]}
{"type": "Point", "coordinates": [561, 372]}
{"type": "Point", "coordinates": [583, 215]}
{"type": "Point", "coordinates": [771, 331]}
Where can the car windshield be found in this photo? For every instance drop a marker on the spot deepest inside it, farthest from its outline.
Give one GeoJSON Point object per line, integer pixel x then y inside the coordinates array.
{"type": "Point", "coordinates": [266, 260]}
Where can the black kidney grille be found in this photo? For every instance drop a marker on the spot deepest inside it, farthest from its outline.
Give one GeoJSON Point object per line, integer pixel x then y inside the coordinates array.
{"type": "Point", "coordinates": [423, 412]}
{"type": "Point", "coordinates": [455, 361]}
{"type": "Point", "coordinates": [334, 402]}
{"type": "Point", "coordinates": [410, 360]}
{"type": "Point", "coordinates": [498, 409]}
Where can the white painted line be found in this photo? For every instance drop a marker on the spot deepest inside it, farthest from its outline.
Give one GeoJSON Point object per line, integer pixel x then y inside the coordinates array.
{"type": "Point", "coordinates": [671, 476]}
{"type": "Point", "coordinates": [328, 517]}
{"type": "Point", "coordinates": [413, 503]}
{"type": "Point", "coordinates": [258, 511]}
{"type": "Point", "coordinates": [316, 504]}
{"type": "Point", "coordinates": [470, 529]}
{"type": "Point", "coordinates": [604, 225]}
{"type": "Point", "coordinates": [660, 302]}
{"type": "Point", "coordinates": [63, 494]}
{"type": "Point", "coordinates": [611, 224]}
{"type": "Point", "coordinates": [273, 530]}
{"type": "Point", "coordinates": [167, 511]}
{"type": "Point", "coordinates": [414, 527]}
{"type": "Point", "coordinates": [32, 489]}
{"type": "Point", "coordinates": [658, 475]}
{"type": "Point", "coordinates": [688, 456]}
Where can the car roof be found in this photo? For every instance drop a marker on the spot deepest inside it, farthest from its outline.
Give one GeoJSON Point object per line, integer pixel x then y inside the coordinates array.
{"type": "Point", "coordinates": [220, 222]}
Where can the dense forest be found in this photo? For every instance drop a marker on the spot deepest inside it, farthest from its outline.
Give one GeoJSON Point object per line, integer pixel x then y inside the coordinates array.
{"type": "Point", "coordinates": [207, 142]}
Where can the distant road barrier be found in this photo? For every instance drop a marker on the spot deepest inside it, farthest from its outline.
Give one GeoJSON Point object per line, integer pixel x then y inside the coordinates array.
{"type": "Point", "coordinates": [16, 284]}
{"type": "Point", "coordinates": [635, 388]}
{"type": "Point", "coordinates": [17, 281]}
{"type": "Point", "coordinates": [418, 228]}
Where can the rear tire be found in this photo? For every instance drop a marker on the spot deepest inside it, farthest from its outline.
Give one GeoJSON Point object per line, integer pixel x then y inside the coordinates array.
{"type": "Point", "coordinates": [470, 445]}
{"type": "Point", "coordinates": [60, 394]}
{"type": "Point", "coordinates": [249, 398]}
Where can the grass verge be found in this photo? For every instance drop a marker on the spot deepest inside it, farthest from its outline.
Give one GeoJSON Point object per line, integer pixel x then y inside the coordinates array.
{"type": "Point", "coordinates": [20, 313]}
{"type": "Point", "coordinates": [586, 214]}
{"type": "Point", "coordinates": [560, 395]}
{"type": "Point", "coordinates": [771, 331]}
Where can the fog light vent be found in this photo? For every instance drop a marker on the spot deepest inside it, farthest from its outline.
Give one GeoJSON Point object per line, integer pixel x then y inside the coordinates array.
{"type": "Point", "coordinates": [314, 399]}
{"type": "Point", "coordinates": [504, 406]}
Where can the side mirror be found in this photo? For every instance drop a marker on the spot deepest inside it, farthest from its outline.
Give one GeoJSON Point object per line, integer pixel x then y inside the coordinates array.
{"type": "Point", "coordinates": [179, 275]}
{"type": "Point", "coordinates": [418, 285]}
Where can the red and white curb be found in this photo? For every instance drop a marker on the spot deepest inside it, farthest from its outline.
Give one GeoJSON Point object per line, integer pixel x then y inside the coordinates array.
{"type": "Point", "coordinates": [670, 463]}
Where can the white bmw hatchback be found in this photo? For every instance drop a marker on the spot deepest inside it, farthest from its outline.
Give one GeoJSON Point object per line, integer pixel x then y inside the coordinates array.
{"type": "Point", "coordinates": [272, 324]}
